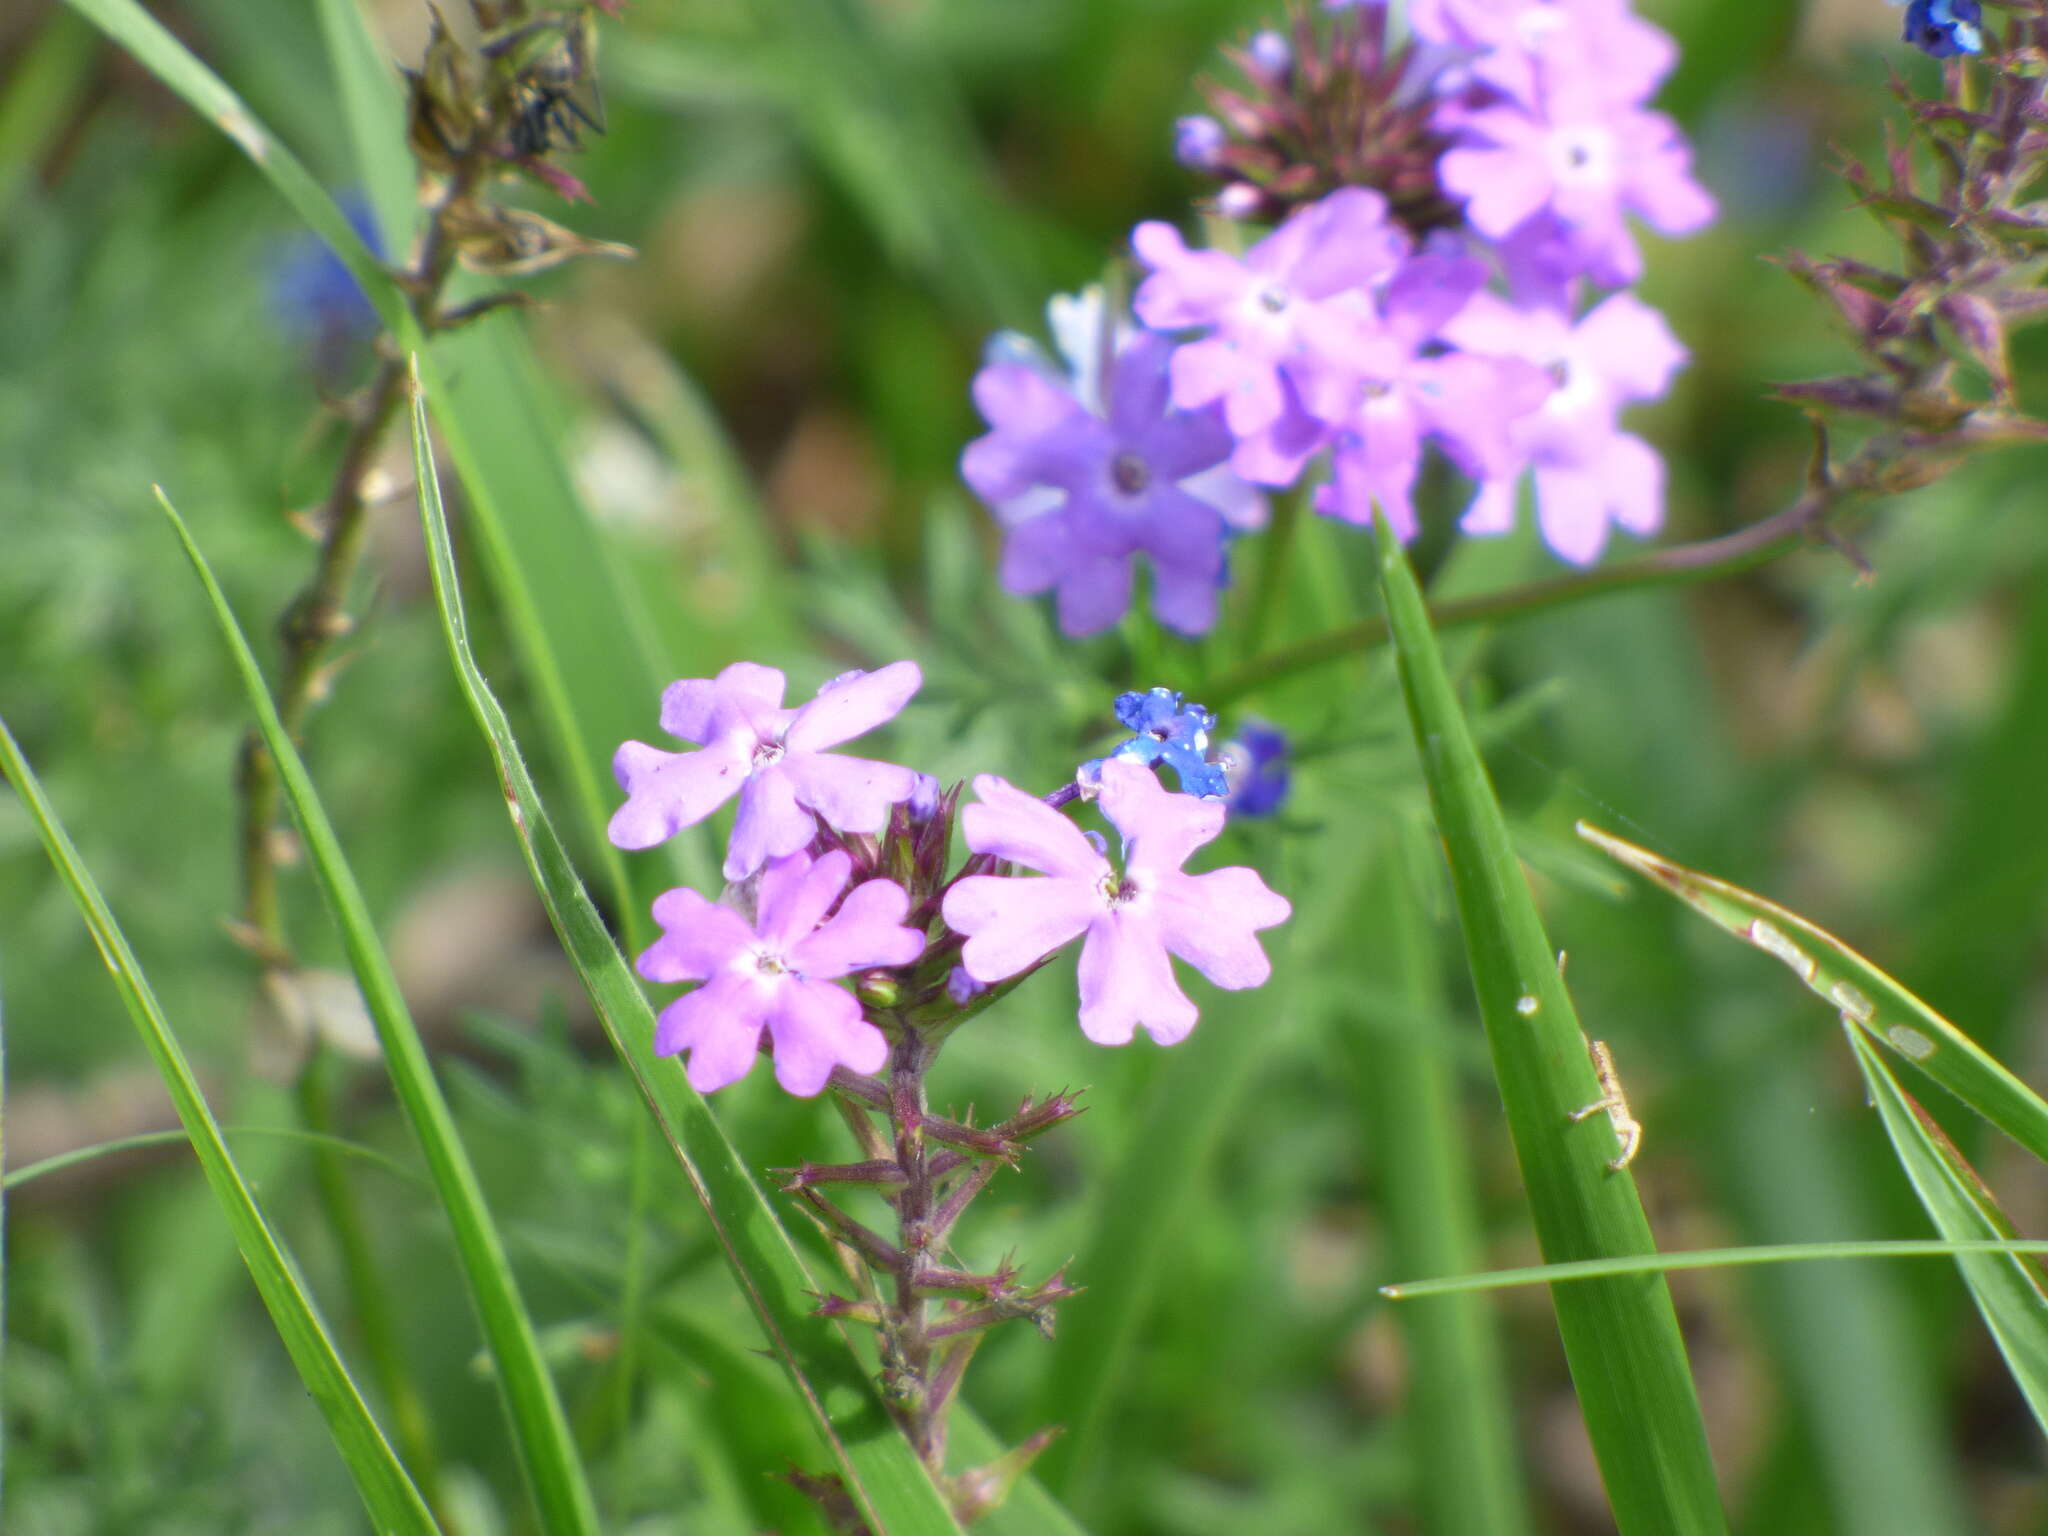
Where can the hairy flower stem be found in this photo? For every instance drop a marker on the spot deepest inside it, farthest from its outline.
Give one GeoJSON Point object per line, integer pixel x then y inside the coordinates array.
{"type": "Point", "coordinates": [315, 618]}
{"type": "Point", "coordinates": [907, 1343]}
{"type": "Point", "coordinates": [1706, 560]}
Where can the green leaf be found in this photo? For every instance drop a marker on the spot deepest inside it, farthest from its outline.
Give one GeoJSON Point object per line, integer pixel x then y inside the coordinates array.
{"type": "Point", "coordinates": [540, 1429]}
{"type": "Point", "coordinates": [387, 1491]}
{"type": "Point", "coordinates": [1861, 993]}
{"type": "Point", "coordinates": [1708, 1258]}
{"type": "Point", "coordinates": [881, 1471]}
{"type": "Point", "coordinates": [1620, 1334]}
{"type": "Point", "coordinates": [2008, 1288]}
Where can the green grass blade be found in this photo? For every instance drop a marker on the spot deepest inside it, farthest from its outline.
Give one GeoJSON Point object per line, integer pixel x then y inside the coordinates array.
{"type": "Point", "coordinates": [134, 29]}
{"type": "Point", "coordinates": [1462, 1422]}
{"type": "Point", "coordinates": [394, 1504]}
{"type": "Point", "coordinates": [58, 1162]}
{"type": "Point", "coordinates": [2008, 1288]}
{"type": "Point", "coordinates": [373, 112]}
{"type": "Point", "coordinates": [1620, 1334]}
{"type": "Point", "coordinates": [1862, 994]}
{"type": "Point", "coordinates": [1710, 1258]}
{"type": "Point", "coordinates": [540, 1429]}
{"type": "Point", "coordinates": [881, 1471]}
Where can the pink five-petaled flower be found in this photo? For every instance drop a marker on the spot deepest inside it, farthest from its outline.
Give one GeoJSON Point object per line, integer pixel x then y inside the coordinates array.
{"type": "Point", "coordinates": [773, 758]}
{"type": "Point", "coordinates": [778, 975]}
{"type": "Point", "coordinates": [1133, 919]}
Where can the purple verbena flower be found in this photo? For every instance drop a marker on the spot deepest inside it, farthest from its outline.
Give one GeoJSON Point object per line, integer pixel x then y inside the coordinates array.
{"type": "Point", "coordinates": [1583, 159]}
{"type": "Point", "coordinates": [1256, 762]}
{"type": "Point", "coordinates": [778, 973]}
{"type": "Point", "coordinates": [1167, 731]}
{"type": "Point", "coordinates": [1086, 474]}
{"type": "Point", "coordinates": [1514, 45]}
{"type": "Point", "coordinates": [1421, 392]}
{"type": "Point", "coordinates": [1295, 307]}
{"type": "Point", "coordinates": [1589, 473]}
{"type": "Point", "coordinates": [774, 759]}
{"type": "Point", "coordinates": [1133, 919]}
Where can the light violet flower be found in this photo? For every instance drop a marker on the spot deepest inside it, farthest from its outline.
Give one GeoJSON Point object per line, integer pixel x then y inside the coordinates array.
{"type": "Point", "coordinates": [1083, 492]}
{"type": "Point", "coordinates": [1589, 473]}
{"type": "Point", "coordinates": [1464, 403]}
{"type": "Point", "coordinates": [1519, 44]}
{"type": "Point", "coordinates": [773, 758]}
{"type": "Point", "coordinates": [778, 974]}
{"type": "Point", "coordinates": [1295, 306]}
{"type": "Point", "coordinates": [1133, 919]}
{"type": "Point", "coordinates": [1585, 161]}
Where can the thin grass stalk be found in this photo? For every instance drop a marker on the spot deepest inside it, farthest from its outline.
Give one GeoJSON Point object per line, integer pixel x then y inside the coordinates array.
{"type": "Point", "coordinates": [1620, 1336]}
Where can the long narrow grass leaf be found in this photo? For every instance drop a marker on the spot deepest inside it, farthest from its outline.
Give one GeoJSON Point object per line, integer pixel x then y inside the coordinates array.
{"type": "Point", "coordinates": [1709, 1258]}
{"type": "Point", "coordinates": [881, 1472]}
{"type": "Point", "coordinates": [540, 1428]}
{"type": "Point", "coordinates": [2008, 1287]}
{"type": "Point", "coordinates": [1620, 1333]}
{"type": "Point", "coordinates": [394, 1504]}
{"type": "Point", "coordinates": [1863, 995]}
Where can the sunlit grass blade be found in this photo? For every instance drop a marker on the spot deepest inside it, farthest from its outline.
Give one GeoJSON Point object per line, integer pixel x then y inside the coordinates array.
{"type": "Point", "coordinates": [1862, 994]}
{"type": "Point", "coordinates": [882, 1473]}
{"type": "Point", "coordinates": [1620, 1334]}
{"type": "Point", "coordinates": [2008, 1288]}
{"type": "Point", "coordinates": [540, 1429]}
{"type": "Point", "coordinates": [394, 1504]}
{"type": "Point", "coordinates": [1669, 1262]}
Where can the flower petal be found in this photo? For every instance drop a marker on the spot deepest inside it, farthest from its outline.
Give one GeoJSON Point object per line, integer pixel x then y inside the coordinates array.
{"type": "Point", "coordinates": [1012, 922]}
{"type": "Point", "coordinates": [770, 823]}
{"type": "Point", "coordinates": [816, 1027]}
{"type": "Point", "coordinates": [699, 938]}
{"type": "Point", "coordinates": [720, 1026]}
{"type": "Point", "coordinates": [795, 894]}
{"type": "Point", "coordinates": [852, 706]}
{"type": "Point", "coordinates": [667, 791]}
{"type": "Point", "coordinates": [1160, 829]}
{"type": "Point", "coordinates": [851, 793]}
{"type": "Point", "coordinates": [1025, 830]}
{"type": "Point", "coordinates": [1127, 982]}
{"type": "Point", "coordinates": [866, 930]}
{"type": "Point", "coordinates": [1208, 920]}
{"type": "Point", "coordinates": [698, 708]}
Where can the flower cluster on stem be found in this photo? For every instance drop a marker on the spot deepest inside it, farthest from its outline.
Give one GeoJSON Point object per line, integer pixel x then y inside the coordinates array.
{"type": "Point", "coordinates": [842, 868]}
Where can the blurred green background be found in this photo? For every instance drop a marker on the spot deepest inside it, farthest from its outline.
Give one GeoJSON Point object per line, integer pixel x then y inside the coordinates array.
{"type": "Point", "coordinates": [834, 202]}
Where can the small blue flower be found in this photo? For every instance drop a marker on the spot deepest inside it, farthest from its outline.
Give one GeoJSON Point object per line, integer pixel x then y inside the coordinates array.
{"type": "Point", "coordinates": [1199, 142]}
{"type": "Point", "coordinates": [1944, 28]}
{"type": "Point", "coordinates": [1173, 732]}
{"type": "Point", "coordinates": [1256, 763]}
{"type": "Point", "coordinates": [312, 292]}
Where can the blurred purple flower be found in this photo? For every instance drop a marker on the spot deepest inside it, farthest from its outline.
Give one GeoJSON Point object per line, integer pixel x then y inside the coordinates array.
{"type": "Point", "coordinates": [1296, 308]}
{"type": "Point", "coordinates": [1586, 162]}
{"type": "Point", "coordinates": [1085, 474]}
{"type": "Point", "coordinates": [312, 292]}
{"type": "Point", "coordinates": [1199, 142]}
{"type": "Point", "coordinates": [1515, 46]}
{"type": "Point", "coordinates": [1133, 920]}
{"type": "Point", "coordinates": [1942, 29]}
{"type": "Point", "coordinates": [773, 758]}
{"type": "Point", "coordinates": [777, 974]}
{"type": "Point", "coordinates": [1256, 762]}
{"type": "Point", "coordinates": [1589, 473]}
{"type": "Point", "coordinates": [1466, 404]}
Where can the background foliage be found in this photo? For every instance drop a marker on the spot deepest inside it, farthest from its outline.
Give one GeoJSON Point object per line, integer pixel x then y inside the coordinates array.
{"type": "Point", "coordinates": [834, 202]}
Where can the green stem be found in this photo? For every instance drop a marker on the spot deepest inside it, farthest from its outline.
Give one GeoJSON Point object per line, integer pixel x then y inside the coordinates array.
{"type": "Point", "coordinates": [1287, 510]}
{"type": "Point", "coordinates": [1707, 560]}
{"type": "Point", "coordinates": [318, 1089]}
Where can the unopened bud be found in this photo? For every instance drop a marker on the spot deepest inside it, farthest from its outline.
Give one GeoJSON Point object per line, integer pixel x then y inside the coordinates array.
{"type": "Point", "coordinates": [1199, 142]}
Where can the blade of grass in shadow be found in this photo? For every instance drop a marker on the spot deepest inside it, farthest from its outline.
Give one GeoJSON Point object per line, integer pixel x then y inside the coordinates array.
{"type": "Point", "coordinates": [1882, 1009]}
{"type": "Point", "coordinates": [2008, 1288]}
{"type": "Point", "coordinates": [882, 1473]}
{"type": "Point", "coordinates": [540, 1429]}
{"type": "Point", "coordinates": [387, 1491]}
{"type": "Point", "coordinates": [1620, 1334]}
{"type": "Point", "coordinates": [1462, 1424]}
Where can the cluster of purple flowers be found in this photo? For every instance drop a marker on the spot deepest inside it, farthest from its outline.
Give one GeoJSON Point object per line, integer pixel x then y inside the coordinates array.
{"type": "Point", "coordinates": [1351, 333]}
{"type": "Point", "coordinates": [840, 867]}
